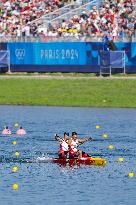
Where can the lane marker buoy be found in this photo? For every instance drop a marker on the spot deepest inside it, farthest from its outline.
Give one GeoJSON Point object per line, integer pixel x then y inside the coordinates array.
{"type": "Point", "coordinates": [14, 169]}
{"type": "Point", "coordinates": [17, 153]}
{"type": "Point", "coordinates": [110, 146]}
{"type": "Point", "coordinates": [97, 126]}
{"type": "Point", "coordinates": [14, 142]}
{"type": "Point", "coordinates": [15, 186]}
{"type": "Point", "coordinates": [120, 159]}
{"type": "Point", "coordinates": [131, 174]}
{"type": "Point", "coordinates": [105, 135]}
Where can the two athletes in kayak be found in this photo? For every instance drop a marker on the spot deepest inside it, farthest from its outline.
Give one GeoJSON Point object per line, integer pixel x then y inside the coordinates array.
{"type": "Point", "coordinates": [69, 147]}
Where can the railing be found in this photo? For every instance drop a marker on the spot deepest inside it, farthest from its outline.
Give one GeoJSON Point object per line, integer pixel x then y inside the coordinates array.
{"type": "Point", "coordinates": [61, 11]}
{"type": "Point", "coordinates": [47, 17]}
{"type": "Point", "coordinates": [75, 11]}
{"type": "Point", "coordinates": [62, 39]}
{"type": "Point", "coordinates": [134, 38]}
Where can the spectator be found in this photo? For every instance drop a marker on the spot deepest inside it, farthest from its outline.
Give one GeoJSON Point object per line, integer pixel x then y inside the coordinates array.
{"type": "Point", "coordinates": [17, 18]}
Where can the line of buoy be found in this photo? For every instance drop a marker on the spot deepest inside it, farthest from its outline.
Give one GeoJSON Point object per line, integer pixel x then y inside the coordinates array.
{"type": "Point", "coordinates": [15, 186]}
{"type": "Point", "coordinates": [131, 174]}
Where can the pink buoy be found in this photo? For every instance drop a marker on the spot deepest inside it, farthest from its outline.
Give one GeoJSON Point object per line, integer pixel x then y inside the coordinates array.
{"type": "Point", "coordinates": [21, 131]}
{"type": "Point", "coordinates": [6, 131]}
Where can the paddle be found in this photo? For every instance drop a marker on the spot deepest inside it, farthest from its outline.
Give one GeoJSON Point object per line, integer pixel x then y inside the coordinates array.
{"type": "Point", "coordinates": [58, 138]}
{"type": "Point", "coordinates": [86, 140]}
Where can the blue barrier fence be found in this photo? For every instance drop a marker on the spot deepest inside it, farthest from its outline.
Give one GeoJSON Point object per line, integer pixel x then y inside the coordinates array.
{"type": "Point", "coordinates": [64, 56]}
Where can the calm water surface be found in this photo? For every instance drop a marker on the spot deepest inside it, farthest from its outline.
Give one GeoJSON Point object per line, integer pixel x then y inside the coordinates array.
{"type": "Point", "coordinates": [46, 183]}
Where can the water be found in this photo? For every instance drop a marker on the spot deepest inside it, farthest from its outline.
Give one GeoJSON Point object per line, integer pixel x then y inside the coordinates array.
{"type": "Point", "coordinates": [46, 183]}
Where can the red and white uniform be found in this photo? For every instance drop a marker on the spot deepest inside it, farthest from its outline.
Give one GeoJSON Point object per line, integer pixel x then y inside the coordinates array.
{"type": "Point", "coordinates": [64, 146]}
{"type": "Point", "coordinates": [73, 148]}
{"type": "Point", "coordinates": [74, 145]}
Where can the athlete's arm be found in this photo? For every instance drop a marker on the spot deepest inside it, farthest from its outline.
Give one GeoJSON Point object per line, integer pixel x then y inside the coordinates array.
{"type": "Point", "coordinates": [58, 138]}
{"type": "Point", "coordinates": [69, 142]}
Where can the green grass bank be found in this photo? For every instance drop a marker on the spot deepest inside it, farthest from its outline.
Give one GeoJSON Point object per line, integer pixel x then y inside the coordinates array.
{"type": "Point", "coordinates": [101, 92]}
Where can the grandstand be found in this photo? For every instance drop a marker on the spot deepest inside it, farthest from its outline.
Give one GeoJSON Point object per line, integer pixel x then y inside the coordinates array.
{"type": "Point", "coordinates": [87, 21]}
{"type": "Point", "coordinates": [41, 18]}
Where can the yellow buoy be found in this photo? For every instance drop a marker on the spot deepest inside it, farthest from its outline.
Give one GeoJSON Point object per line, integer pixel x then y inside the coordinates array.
{"type": "Point", "coordinates": [97, 126]}
{"type": "Point", "coordinates": [105, 135]}
{"type": "Point", "coordinates": [14, 169]}
{"type": "Point", "coordinates": [14, 142]}
{"type": "Point", "coordinates": [131, 174]}
{"type": "Point", "coordinates": [16, 125]}
{"type": "Point", "coordinates": [15, 186]}
{"type": "Point", "coordinates": [17, 153]}
{"type": "Point", "coordinates": [110, 146]}
{"type": "Point", "coordinates": [120, 159]}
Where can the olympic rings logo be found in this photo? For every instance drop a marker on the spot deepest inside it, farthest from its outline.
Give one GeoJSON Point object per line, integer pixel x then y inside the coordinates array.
{"type": "Point", "coordinates": [20, 54]}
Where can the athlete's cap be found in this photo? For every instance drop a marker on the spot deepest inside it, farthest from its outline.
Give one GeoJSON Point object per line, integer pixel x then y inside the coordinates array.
{"type": "Point", "coordinates": [66, 133]}
{"type": "Point", "coordinates": [74, 133]}
{"type": "Point", "coordinates": [6, 127]}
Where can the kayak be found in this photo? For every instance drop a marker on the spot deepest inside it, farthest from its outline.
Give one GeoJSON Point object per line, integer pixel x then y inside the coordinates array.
{"type": "Point", "coordinates": [83, 160]}
{"type": "Point", "coordinates": [78, 161]}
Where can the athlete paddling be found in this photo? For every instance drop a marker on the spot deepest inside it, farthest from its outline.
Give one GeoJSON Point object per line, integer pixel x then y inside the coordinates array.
{"type": "Point", "coordinates": [64, 148]}
{"type": "Point", "coordinates": [70, 146]}
{"type": "Point", "coordinates": [73, 146]}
